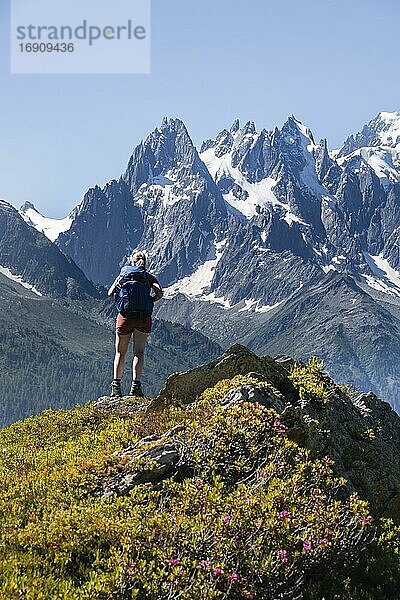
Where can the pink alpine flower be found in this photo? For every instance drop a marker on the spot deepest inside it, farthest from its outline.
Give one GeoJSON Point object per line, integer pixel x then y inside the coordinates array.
{"type": "Point", "coordinates": [277, 423]}
{"type": "Point", "coordinates": [226, 519]}
{"type": "Point", "coordinates": [131, 568]}
{"type": "Point", "coordinates": [323, 542]}
{"type": "Point", "coordinates": [366, 520]}
{"type": "Point", "coordinates": [282, 555]}
{"type": "Point", "coordinates": [233, 576]}
{"type": "Point", "coordinates": [174, 561]}
{"type": "Point", "coordinates": [203, 564]}
{"type": "Point", "coordinates": [307, 545]}
{"type": "Point", "coordinates": [218, 571]}
{"type": "Point", "coordinates": [284, 514]}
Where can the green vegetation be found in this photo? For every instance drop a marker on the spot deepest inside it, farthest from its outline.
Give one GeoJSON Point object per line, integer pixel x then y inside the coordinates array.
{"type": "Point", "coordinates": [255, 517]}
{"type": "Point", "coordinates": [310, 381]}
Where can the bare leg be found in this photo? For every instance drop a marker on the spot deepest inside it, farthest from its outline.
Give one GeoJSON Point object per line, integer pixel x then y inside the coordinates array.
{"type": "Point", "coordinates": [121, 349]}
{"type": "Point", "coordinates": [138, 354]}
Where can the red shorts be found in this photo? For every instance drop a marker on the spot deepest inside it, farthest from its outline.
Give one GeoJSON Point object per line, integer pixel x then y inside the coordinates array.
{"type": "Point", "coordinates": [126, 326]}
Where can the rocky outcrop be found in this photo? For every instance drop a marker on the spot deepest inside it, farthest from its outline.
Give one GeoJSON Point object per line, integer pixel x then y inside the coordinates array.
{"type": "Point", "coordinates": [238, 360]}
{"type": "Point", "coordinates": [327, 318]}
{"type": "Point", "coordinates": [249, 393]}
{"type": "Point", "coordinates": [150, 460]}
{"type": "Point", "coordinates": [127, 406]}
{"type": "Point", "coordinates": [107, 226]}
{"type": "Point", "coordinates": [361, 434]}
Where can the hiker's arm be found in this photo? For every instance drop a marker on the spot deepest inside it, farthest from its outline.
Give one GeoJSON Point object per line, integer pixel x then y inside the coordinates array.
{"type": "Point", "coordinates": [113, 287]}
{"type": "Point", "coordinates": [158, 291]}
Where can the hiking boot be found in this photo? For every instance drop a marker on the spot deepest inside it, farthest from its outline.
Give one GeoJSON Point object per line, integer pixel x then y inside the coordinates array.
{"type": "Point", "coordinates": [116, 389]}
{"type": "Point", "coordinates": [136, 389]}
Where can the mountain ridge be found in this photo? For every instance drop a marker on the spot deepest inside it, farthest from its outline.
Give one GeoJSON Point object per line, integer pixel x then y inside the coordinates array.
{"type": "Point", "coordinates": [237, 229]}
{"type": "Point", "coordinates": [30, 256]}
{"type": "Point", "coordinates": [290, 154]}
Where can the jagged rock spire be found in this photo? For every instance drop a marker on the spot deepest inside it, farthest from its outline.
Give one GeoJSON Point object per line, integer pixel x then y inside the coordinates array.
{"type": "Point", "coordinates": [235, 126]}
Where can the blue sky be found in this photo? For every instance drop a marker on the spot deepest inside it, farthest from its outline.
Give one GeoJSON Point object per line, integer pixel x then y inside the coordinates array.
{"type": "Point", "coordinates": [334, 64]}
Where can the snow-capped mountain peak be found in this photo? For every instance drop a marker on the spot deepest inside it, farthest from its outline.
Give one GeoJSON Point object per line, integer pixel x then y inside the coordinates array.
{"type": "Point", "coordinates": [231, 159]}
{"type": "Point", "coordinates": [377, 145]}
{"type": "Point", "coordinates": [247, 166]}
{"type": "Point", "coordinates": [277, 199]}
{"type": "Point", "coordinates": [50, 227]}
{"type": "Point", "coordinates": [389, 128]}
{"type": "Point", "coordinates": [233, 140]}
{"type": "Point", "coordinates": [168, 148]}
{"type": "Point", "coordinates": [235, 126]}
{"type": "Point", "coordinates": [383, 130]}
{"type": "Point", "coordinates": [306, 137]}
{"type": "Point", "coordinates": [166, 203]}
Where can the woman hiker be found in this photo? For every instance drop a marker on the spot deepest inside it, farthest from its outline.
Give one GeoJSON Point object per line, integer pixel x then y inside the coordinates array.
{"type": "Point", "coordinates": [135, 292]}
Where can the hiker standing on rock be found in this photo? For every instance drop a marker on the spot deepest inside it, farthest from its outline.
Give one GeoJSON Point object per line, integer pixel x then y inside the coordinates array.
{"type": "Point", "coordinates": [135, 293]}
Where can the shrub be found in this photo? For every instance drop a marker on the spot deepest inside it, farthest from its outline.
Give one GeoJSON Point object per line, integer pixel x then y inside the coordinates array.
{"type": "Point", "coordinates": [257, 519]}
{"type": "Point", "coordinates": [310, 381]}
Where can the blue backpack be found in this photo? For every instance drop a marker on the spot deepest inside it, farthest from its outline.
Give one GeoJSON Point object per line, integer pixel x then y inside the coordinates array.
{"type": "Point", "coordinates": [132, 298]}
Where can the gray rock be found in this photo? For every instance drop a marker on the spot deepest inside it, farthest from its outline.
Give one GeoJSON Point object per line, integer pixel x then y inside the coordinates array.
{"type": "Point", "coordinates": [237, 360]}
{"type": "Point", "coordinates": [361, 436]}
{"type": "Point", "coordinates": [107, 226]}
{"type": "Point", "coordinates": [150, 460]}
{"type": "Point", "coordinates": [249, 393]}
{"type": "Point", "coordinates": [125, 406]}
